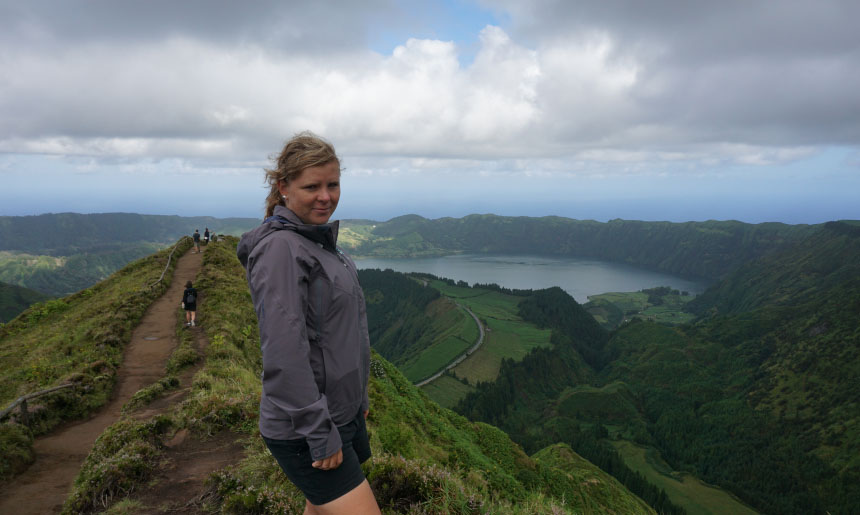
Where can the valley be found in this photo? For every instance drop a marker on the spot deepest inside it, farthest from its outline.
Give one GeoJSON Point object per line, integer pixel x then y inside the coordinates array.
{"type": "Point", "coordinates": [739, 398]}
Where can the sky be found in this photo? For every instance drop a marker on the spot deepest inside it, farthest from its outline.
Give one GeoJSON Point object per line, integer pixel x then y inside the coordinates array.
{"type": "Point", "coordinates": [662, 110]}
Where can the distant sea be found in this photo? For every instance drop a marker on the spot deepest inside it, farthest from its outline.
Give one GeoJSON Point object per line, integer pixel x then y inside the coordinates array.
{"type": "Point", "coordinates": [578, 277]}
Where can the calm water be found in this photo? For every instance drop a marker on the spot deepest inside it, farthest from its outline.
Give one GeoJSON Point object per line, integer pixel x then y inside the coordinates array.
{"type": "Point", "coordinates": [579, 277]}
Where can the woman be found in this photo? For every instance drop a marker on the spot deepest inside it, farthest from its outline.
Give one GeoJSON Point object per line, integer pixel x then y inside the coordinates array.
{"type": "Point", "coordinates": [189, 304]}
{"type": "Point", "coordinates": [313, 332]}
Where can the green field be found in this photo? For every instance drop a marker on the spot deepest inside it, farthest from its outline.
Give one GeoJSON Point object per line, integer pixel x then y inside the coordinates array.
{"type": "Point", "coordinates": [636, 305]}
{"type": "Point", "coordinates": [503, 339]}
{"type": "Point", "coordinates": [446, 390]}
{"type": "Point", "coordinates": [456, 332]}
{"type": "Point", "coordinates": [506, 336]}
{"type": "Point", "coordinates": [683, 489]}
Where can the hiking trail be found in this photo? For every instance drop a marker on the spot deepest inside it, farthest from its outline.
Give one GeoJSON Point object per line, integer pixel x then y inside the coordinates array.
{"type": "Point", "coordinates": [44, 486]}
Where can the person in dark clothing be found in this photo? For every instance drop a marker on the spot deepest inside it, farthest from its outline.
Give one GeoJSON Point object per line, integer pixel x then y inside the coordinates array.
{"type": "Point", "coordinates": [206, 236]}
{"type": "Point", "coordinates": [196, 237]}
{"type": "Point", "coordinates": [189, 303]}
{"type": "Point", "coordinates": [313, 333]}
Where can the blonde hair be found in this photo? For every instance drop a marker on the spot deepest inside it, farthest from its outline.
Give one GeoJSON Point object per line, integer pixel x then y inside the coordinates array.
{"type": "Point", "coordinates": [304, 150]}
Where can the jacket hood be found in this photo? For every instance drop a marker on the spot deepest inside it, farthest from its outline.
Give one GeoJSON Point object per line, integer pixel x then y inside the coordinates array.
{"type": "Point", "coordinates": [284, 219]}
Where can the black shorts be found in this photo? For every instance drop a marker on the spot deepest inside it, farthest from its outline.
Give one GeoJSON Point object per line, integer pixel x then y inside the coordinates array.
{"type": "Point", "coordinates": [322, 486]}
{"type": "Point", "coordinates": [190, 307]}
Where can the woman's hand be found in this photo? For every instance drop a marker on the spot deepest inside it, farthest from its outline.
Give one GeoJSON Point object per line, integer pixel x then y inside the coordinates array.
{"type": "Point", "coordinates": [330, 463]}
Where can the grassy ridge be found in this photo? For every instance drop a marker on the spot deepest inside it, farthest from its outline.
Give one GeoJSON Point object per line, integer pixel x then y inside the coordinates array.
{"type": "Point", "coordinates": [80, 339]}
{"type": "Point", "coordinates": [426, 459]}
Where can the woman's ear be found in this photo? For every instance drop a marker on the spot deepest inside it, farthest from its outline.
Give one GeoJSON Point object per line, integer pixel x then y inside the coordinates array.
{"type": "Point", "coordinates": [283, 190]}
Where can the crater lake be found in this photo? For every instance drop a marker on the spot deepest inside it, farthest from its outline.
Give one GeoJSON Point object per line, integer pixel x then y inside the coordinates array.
{"type": "Point", "coordinates": [578, 277]}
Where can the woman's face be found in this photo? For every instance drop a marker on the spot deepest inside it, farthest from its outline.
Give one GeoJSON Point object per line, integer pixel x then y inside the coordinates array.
{"type": "Point", "coordinates": [313, 195]}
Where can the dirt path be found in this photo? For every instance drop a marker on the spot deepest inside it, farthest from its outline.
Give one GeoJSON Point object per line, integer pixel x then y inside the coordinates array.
{"type": "Point", "coordinates": [44, 486]}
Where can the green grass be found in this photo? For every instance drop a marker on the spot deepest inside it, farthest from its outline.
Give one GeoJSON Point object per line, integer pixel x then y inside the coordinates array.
{"type": "Point", "coordinates": [506, 336]}
{"type": "Point", "coordinates": [682, 489]}
{"type": "Point", "coordinates": [635, 305]}
{"type": "Point", "coordinates": [503, 339]}
{"type": "Point", "coordinates": [427, 459]}
{"type": "Point", "coordinates": [446, 390]}
{"type": "Point", "coordinates": [454, 340]}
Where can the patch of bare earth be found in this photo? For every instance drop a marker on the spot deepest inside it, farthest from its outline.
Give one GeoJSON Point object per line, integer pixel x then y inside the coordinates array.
{"type": "Point", "coordinates": [179, 484]}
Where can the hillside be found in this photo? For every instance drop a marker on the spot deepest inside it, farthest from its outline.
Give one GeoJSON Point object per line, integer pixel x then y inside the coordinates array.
{"type": "Point", "coordinates": [693, 249]}
{"type": "Point", "coordinates": [59, 254]}
{"type": "Point", "coordinates": [62, 234]}
{"type": "Point", "coordinates": [427, 459]}
{"type": "Point", "coordinates": [757, 396]}
{"type": "Point", "coordinates": [79, 339]}
{"type": "Point", "coordinates": [15, 299]}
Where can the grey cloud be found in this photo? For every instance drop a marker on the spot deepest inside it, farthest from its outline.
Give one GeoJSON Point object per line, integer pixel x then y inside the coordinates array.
{"type": "Point", "coordinates": [773, 73]}
{"type": "Point", "coordinates": [288, 25]}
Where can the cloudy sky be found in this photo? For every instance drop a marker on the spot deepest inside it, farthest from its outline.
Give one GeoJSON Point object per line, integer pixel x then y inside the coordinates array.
{"type": "Point", "coordinates": [660, 110]}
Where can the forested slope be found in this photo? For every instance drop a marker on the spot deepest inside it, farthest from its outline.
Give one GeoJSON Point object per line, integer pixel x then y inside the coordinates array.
{"type": "Point", "coordinates": [758, 397]}
{"type": "Point", "coordinates": [15, 299]}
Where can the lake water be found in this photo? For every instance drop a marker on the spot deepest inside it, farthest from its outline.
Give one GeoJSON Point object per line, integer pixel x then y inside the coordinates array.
{"type": "Point", "coordinates": [578, 277]}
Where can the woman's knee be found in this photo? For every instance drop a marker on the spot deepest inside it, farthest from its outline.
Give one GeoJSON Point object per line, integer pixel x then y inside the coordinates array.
{"type": "Point", "coordinates": [358, 501]}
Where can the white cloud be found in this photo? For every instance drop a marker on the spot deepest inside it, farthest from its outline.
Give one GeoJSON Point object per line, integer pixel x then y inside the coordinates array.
{"type": "Point", "coordinates": [563, 89]}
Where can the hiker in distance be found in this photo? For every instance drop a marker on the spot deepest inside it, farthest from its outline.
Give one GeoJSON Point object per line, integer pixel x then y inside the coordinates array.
{"type": "Point", "coordinates": [313, 333]}
{"type": "Point", "coordinates": [189, 304]}
{"type": "Point", "coordinates": [196, 238]}
{"type": "Point", "coordinates": [206, 236]}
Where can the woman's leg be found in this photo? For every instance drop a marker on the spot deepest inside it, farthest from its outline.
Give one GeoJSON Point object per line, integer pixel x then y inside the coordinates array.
{"type": "Point", "coordinates": [358, 501]}
{"type": "Point", "coordinates": [193, 317]}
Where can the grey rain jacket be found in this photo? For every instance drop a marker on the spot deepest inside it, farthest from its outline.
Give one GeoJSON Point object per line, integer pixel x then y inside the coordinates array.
{"type": "Point", "coordinates": [313, 330]}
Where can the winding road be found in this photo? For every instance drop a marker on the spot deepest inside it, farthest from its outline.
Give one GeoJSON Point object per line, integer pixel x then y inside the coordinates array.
{"type": "Point", "coordinates": [461, 357]}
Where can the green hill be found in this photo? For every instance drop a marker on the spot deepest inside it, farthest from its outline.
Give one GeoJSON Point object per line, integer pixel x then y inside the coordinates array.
{"type": "Point", "coordinates": [427, 459]}
{"type": "Point", "coordinates": [694, 249]}
{"type": "Point", "coordinates": [59, 254]}
{"type": "Point", "coordinates": [758, 396]}
{"type": "Point", "coordinates": [15, 299]}
{"type": "Point", "coordinates": [62, 234]}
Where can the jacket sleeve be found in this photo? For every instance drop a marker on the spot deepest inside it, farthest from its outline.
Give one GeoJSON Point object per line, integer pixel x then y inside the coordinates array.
{"type": "Point", "coordinates": [279, 282]}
